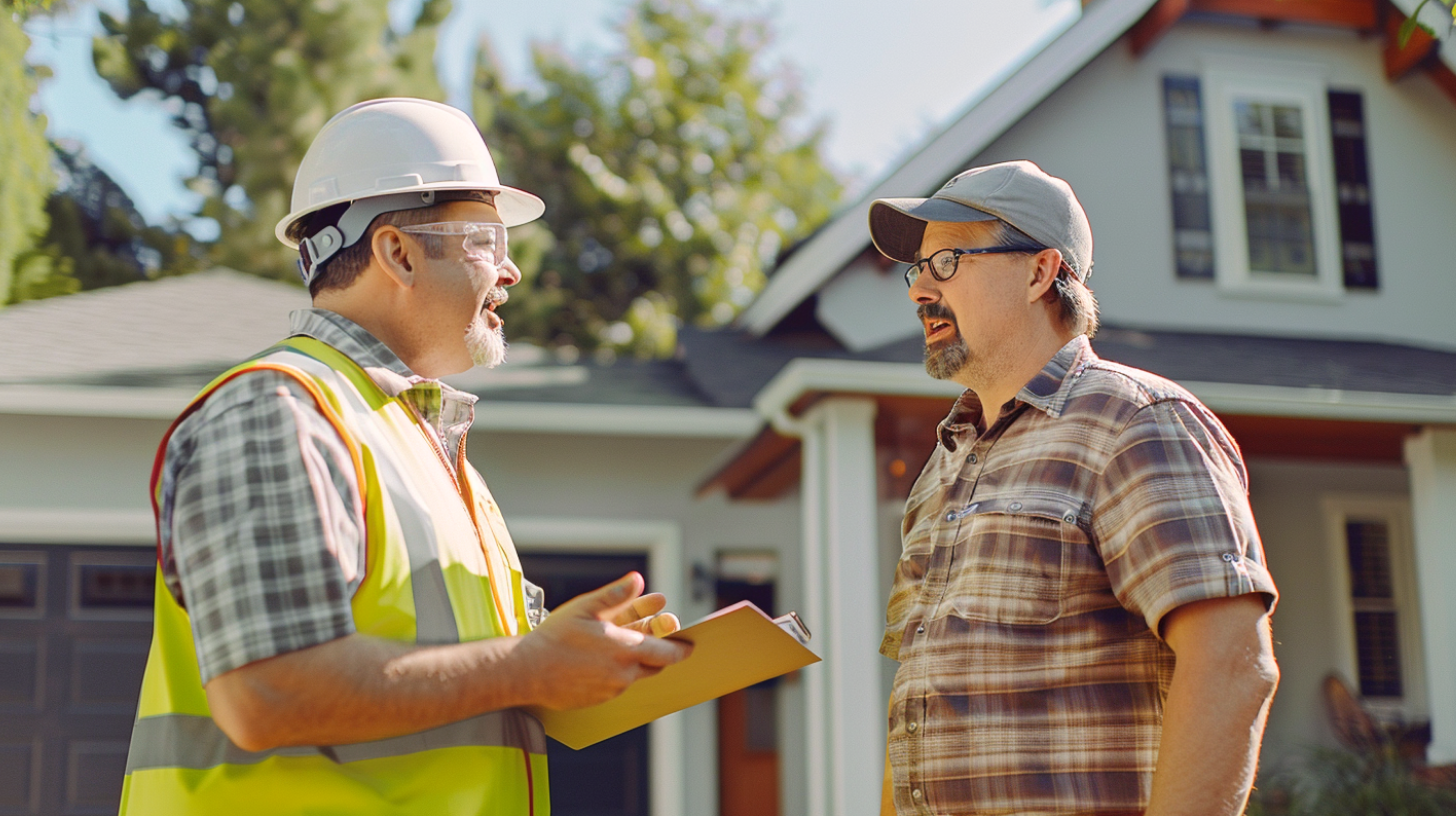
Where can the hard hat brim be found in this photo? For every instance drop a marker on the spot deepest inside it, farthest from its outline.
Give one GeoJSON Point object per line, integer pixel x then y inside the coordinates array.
{"type": "Point", "coordinates": [516, 207]}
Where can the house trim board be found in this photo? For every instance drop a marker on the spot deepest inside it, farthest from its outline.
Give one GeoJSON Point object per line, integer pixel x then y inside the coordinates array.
{"type": "Point", "coordinates": [543, 417]}
{"type": "Point", "coordinates": [846, 235]}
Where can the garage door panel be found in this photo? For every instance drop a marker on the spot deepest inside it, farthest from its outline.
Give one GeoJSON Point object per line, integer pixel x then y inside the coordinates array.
{"type": "Point", "coordinates": [20, 777]}
{"type": "Point", "coordinates": [106, 675]}
{"type": "Point", "coordinates": [22, 660]}
{"type": "Point", "coordinates": [94, 771]}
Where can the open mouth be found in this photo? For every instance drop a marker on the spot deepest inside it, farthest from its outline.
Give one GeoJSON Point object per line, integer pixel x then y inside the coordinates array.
{"type": "Point", "coordinates": [938, 329]}
{"type": "Point", "coordinates": [494, 298]}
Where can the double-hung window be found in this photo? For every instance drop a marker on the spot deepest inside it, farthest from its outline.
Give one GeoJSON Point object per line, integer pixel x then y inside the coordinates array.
{"type": "Point", "coordinates": [1269, 181]}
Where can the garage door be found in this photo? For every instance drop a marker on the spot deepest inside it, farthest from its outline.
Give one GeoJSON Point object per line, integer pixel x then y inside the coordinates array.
{"type": "Point", "coordinates": [75, 625]}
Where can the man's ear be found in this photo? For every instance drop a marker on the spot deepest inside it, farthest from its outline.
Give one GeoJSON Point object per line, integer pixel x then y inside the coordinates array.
{"type": "Point", "coordinates": [1043, 273]}
{"type": "Point", "coordinates": [394, 253]}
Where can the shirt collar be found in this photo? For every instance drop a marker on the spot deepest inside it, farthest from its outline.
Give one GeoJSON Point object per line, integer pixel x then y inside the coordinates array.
{"type": "Point", "coordinates": [380, 362]}
{"type": "Point", "coordinates": [1047, 391]}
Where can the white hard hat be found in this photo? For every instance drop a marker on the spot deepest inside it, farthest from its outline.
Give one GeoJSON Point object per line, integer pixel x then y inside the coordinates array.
{"type": "Point", "coordinates": [392, 154]}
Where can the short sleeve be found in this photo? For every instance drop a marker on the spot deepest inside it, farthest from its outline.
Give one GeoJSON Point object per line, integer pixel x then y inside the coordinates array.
{"type": "Point", "coordinates": [265, 542]}
{"type": "Point", "coordinates": [1171, 516]}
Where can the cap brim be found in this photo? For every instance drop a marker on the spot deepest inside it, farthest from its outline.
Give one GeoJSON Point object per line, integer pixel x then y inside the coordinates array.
{"type": "Point", "coordinates": [897, 225]}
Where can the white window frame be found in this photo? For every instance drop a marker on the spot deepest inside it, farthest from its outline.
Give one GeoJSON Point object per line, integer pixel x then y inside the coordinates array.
{"type": "Point", "coordinates": [1338, 509]}
{"type": "Point", "coordinates": [1226, 78]}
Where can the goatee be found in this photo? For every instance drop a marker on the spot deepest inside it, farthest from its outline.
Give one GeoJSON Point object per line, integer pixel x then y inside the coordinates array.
{"type": "Point", "coordinates": [945, 359]}
{"type": "Point", "coordinates": [487, 346]}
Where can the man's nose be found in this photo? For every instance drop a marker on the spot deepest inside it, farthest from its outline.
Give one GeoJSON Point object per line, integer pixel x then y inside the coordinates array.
{"type": "Point", "coordinates": [921, 292]}
{"type": "Point", "coordinates": [510, 274]}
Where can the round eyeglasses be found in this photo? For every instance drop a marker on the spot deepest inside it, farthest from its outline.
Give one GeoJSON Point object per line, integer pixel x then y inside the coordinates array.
{"type": "Point", "coordinates": [484, 240]}
{"type": "Point", "coordinates": [943, 263]}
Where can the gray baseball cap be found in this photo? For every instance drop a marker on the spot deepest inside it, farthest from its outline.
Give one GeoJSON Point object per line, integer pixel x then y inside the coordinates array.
{"type": "Point", "coordinates": [1017, 192]}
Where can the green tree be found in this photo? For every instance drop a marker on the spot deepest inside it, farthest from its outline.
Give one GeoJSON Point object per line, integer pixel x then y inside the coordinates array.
{"type": "Point", "coordinates": [252, 83]}
{"type": "Point", "coordinates": [96, 237]}
{"type": "Point", "coordinates": [26, 179]}
{"type": "Point", "coordinates": [673, 176]}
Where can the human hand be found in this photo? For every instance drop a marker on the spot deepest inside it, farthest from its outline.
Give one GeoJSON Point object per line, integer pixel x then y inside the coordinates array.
{"type": "Point", "coordinates": [645, 615]}
{"type": "Point", "coordinates": [580, 655]}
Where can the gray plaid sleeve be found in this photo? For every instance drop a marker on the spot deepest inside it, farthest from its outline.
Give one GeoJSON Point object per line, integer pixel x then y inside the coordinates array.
{"type": "Point", "coordinates": [267, 544]}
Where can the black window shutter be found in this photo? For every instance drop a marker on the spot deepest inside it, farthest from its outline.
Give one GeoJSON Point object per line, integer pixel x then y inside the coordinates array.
{"type": "Point", "coordinates": [1352, 185]}
{"type": "Point", "coordinates": [1188, 178]}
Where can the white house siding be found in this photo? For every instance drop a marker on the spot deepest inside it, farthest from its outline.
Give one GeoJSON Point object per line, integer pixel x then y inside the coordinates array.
{"type": "Point", "coordinates": [54, 466]}
{"type": "Point", "coordinates": [1103, 132]}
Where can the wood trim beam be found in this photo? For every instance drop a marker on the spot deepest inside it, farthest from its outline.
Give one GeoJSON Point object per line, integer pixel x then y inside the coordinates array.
{"type": "Point", "coordinates": [1358, 14]}
{"type": "Point", "coordinates": [1418, 51]}
{"type": "Point", "coordinates": [1147, 31]}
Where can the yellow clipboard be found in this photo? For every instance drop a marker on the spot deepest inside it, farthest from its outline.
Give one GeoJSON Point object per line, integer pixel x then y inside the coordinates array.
{"type": "Point", "coordinates": [733, 648]}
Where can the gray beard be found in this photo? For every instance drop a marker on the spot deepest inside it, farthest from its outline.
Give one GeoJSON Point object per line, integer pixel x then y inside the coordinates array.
{"type": "Point", "coordinates": [945, 361]}
{"type": "Point", "coordinates": [487, 348]}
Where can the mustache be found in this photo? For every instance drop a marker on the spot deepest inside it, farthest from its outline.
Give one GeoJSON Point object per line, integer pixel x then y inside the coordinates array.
{"type": "Point", "coordinates": [497, 295]}
{"type": "Point", "coordinates": [936, 309]}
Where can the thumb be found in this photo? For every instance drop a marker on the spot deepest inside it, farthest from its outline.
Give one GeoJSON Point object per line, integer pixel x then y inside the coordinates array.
{"type": "Point", "coordinates": [611, 600]}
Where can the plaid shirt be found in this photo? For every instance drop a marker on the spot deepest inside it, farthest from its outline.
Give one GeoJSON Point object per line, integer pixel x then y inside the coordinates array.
{"type": "Point", "coordinates": [1039, 559]}
{"type": "Point", "coordinates": [262, 541]}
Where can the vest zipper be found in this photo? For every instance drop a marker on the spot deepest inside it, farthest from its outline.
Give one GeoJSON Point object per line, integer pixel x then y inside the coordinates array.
{"type": "Point", "coordinates": [437, 445]}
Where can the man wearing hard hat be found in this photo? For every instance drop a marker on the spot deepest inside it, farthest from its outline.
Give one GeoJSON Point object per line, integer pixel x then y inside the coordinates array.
{"type": "Point", "coordinates": [341, 621]}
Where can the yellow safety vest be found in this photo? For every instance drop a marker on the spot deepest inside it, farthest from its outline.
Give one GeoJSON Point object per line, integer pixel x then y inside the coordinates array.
{"type": "Point", "coordinates": [440, 568]}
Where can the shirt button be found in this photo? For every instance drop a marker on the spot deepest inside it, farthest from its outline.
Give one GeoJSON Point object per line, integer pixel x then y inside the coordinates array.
{"type": "Point", "coordinates": [920, 630]}
{"type": "Point", "coordinates": [973, 458]}
{"type": "Point", "coordinates": [912, 727]}
{"type": "Point", "coordinates": [1070, 518]}
{"type": "Point", "coordinates": [951, 516]}
{"type": "Point", "coordinates": [1014, 506]}
{"type": "Point", "coordinates": [917, 795]}
{"type": "Point", "coordinates": [1230, 557]}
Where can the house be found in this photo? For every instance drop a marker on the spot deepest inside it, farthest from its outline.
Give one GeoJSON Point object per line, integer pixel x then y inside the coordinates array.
{"type": "Point", "coordinates": [1267, 181]}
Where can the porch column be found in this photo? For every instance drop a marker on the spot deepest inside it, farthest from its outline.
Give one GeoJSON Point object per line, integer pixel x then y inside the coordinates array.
{"type": "Point", "coordinates": [1431, 460]}
{"type": "Point", "coordinates": [846, 718]}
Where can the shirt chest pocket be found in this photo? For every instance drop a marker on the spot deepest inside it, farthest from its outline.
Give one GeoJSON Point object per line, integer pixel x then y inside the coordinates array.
{"type": "Point", "coordinates": [1009, 559]}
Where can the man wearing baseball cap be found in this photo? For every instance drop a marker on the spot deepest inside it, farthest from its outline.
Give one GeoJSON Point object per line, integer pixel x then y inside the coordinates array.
{"type": "Point", "coordinates": [341, 621]}
{"type": "Point", "coordinates": [1081, 609]}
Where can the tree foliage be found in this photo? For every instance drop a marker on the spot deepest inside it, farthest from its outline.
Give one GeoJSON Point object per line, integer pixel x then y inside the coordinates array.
{"type": "Point", "coordinates": [96, 237]}
{"type": "Point", "coordinates": [251, 84]}
{"type": "Point", "coordinates": [672, 173]}
{"type": "Point", "coordinates": [26, 179]}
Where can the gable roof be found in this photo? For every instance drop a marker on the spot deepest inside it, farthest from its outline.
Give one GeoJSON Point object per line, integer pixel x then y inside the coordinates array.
{"type": "Point", "coordinates": [1103, 22]}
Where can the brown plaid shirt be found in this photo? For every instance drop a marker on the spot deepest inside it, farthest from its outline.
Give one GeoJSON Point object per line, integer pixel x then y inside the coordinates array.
{"type": "Point", "coordinates": [1039, 559]}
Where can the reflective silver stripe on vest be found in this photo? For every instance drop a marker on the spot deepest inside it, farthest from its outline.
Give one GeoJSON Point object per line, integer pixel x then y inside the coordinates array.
{"type": "Point", "coordinates": [191, 741]}
{"type": "Point", "coordinates": [434, 617]}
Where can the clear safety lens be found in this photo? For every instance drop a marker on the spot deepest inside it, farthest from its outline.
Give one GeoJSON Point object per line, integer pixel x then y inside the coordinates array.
{"type": "Point", "coordinates": [484, 241]}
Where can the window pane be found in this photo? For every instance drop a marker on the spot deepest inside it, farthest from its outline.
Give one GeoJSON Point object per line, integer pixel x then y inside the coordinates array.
{"type": "Point", "coordinates": [19, 586]}
{"type": "Point", "coordinates": [1379, 654]}
{"type": "Point", "coordinates": [112, 586]}
{"type": "Point", "coordinates": [1279, 221]}
{"type": "Point", "coordinates": [1369, 551]}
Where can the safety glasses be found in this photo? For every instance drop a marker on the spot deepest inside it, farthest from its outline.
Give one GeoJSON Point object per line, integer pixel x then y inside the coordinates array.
{"type": "Point", "coordinates": [484, 241]}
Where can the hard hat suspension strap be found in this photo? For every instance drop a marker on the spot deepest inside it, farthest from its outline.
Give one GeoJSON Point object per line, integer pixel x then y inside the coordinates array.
{"type": "Point", "coordinates": [331, 239]}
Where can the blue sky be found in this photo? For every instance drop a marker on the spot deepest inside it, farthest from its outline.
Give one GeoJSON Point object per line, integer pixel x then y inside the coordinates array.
{"type": "Point", "coordinates": [883, 80]}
